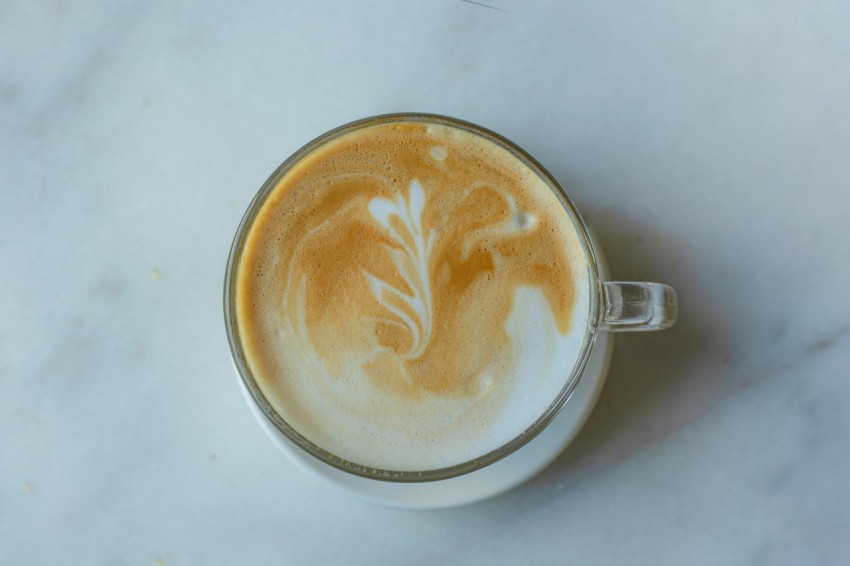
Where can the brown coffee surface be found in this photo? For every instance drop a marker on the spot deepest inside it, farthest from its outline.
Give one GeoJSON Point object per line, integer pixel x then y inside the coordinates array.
{"type": "Point", "coordinates": [376, 284]}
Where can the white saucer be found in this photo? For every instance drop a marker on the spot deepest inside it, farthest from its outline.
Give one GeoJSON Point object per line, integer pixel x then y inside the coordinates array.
{"type": "Point", "coordinates": [480, 484]}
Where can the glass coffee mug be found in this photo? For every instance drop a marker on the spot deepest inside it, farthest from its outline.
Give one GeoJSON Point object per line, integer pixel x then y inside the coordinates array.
{"type": "Point", "coordinates": [394, 192]}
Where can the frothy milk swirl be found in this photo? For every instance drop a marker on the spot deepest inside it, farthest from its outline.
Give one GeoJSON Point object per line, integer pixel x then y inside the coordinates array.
{"type": "Point", "coordinates": [411, 296]}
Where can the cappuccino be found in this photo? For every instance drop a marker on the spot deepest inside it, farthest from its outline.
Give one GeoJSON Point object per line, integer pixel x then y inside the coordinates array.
{"type": "Point", "coordinates": [411, 295]}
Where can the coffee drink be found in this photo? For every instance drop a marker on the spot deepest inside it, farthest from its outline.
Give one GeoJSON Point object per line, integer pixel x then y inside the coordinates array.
{"type": "Point", "coordinates": [411, 295]}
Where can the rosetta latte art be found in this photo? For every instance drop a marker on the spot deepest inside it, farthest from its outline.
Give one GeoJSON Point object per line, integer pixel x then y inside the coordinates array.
{"type": "Point", "coordinates": [411, 296]}
{"type": "Point", "coordinates": [411, 252]}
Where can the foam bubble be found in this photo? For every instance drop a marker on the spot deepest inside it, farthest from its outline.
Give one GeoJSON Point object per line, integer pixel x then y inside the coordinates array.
{"type": "Point", "coordinates": [439, 152]}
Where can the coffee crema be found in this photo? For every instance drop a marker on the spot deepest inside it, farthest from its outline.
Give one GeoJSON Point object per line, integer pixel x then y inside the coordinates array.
{"type": "Point", "coordinates": [411, 296]}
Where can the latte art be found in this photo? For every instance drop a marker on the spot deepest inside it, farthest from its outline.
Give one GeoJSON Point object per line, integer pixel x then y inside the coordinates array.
{"type": "Point", "coordinates": [410, 252]}
{"type": "Point", "coordinates": [411, 296]}
{"type": "Point", "coordinates": [412, 308]}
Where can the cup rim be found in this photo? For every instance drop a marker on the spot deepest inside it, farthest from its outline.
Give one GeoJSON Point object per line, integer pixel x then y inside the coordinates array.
{"type": "Point", "coordinates": [404, 476]}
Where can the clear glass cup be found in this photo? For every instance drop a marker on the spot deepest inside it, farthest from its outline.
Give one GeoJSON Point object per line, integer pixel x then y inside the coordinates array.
{"type": "Point", "coordinates": [614, 306]}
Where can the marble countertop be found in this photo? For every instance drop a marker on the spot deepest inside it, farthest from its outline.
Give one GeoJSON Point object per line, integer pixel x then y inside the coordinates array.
{"type": "Point", "coordinates": [708, 145]}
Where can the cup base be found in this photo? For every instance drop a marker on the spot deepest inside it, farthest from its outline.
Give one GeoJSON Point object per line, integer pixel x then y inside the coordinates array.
{"type": "Point", "coordinates": [481, 484]}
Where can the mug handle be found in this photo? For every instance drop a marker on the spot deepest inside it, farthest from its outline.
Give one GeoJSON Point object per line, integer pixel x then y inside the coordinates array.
{"type": "Point", "coordinates": [637, 306]}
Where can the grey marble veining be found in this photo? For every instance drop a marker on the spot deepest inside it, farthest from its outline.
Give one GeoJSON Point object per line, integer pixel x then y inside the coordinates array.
{"type": "Point", "coordinates": [706, 144]}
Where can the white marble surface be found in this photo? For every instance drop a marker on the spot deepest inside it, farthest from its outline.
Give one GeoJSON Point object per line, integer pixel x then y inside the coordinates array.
{"type": "Point", "coordinates": [708, 144]}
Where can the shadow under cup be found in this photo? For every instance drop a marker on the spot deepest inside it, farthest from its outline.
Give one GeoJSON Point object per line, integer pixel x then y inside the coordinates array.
{"type": "Point", "coordinates": [612, 306]}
